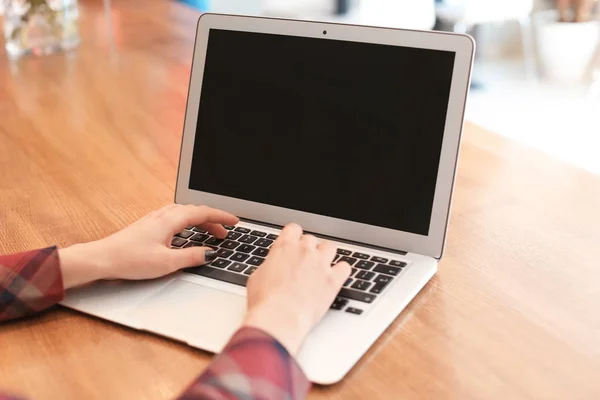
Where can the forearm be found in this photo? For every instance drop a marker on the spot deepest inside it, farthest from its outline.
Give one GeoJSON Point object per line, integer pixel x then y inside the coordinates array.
{"type": "Point", "coordinates": [82, 263]}
{"type": "Point", "coordinates": [252, 366]}
{"type": "Point", "coordinates": [29, 282]}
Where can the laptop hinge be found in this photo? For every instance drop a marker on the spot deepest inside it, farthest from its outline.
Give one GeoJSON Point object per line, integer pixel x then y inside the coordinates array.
{"type": "Point", "coordinates": [400, 252]}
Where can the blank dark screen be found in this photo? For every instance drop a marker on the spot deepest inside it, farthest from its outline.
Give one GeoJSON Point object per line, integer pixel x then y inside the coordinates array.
{"type": "Point", "coordinates": [337, 128]}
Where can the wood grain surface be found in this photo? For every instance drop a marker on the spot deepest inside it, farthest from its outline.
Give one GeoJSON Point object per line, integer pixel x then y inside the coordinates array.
{"type": "Point", "coordinates": [89, 142]}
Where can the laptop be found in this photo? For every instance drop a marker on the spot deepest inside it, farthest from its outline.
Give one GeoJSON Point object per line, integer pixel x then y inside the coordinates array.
{"type": "Point", "coordinates": [351, 131]}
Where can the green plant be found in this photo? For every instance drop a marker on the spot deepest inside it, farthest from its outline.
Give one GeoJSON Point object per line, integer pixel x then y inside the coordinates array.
{"type": "Point", "coordinates": [575, 10]}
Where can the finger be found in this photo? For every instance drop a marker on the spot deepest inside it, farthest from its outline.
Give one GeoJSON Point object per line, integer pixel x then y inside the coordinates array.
{"type": "Point", "coordinates": [309, 241]}
{"type": "Point", "coordinates": [197, 215]}
{"type": "Point", "coordinates": [190, 257]}
{"type": "Point", "coordinates": [327, 251]}
{"type": "Point", "coordinates": [216, 230]}
{"type": "Point", "coordinates": [290, 233]}
{"type": "Point", "coordinates": [340, 272]}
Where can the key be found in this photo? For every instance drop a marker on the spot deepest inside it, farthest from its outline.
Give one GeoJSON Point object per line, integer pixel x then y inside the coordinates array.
{"type": "Point", "coordinates": [228, 227]}
{"type": "Point", "coordinates": [398, 263]}
{"type": "Point", "coordinates": [379, 259]}
{"type": "Point", "coordinates": [261, 252]}
{"type": "Point", "coordinates": [353, 310]}
{"type": "Point", "coordinates": [229, 244]}
{"type": "Point", "coordinates": [255, 260]}
{"type": "Point", "coordinates": [185, 234]}
{"type": "Point", "coordinates": [178, 242]}
{"type": "Point", "coordinates": [233, 235]}
{"type": "Point", "coordinates": [386, 269]}
{"type": "Point", "coordinates": [344, 252]}
{"type": "Point", "coordinates": [224, 253]}
{"type": "Point", "coordinates": [213, 241]}
{"type": "Point", "coordinates": [356, 295]}
{"type": "Point", "coordinates": [348, 282]}
{"type": "Point", "coordinates": [243, 230]}
{"type": "Point", "coordinates": [250, 270]}
{"type": "Point", "coordinates": [239, 257]}
{"type": "Point", "coordinates": [349, 260]}
{"type": "Point", "coordinates": [354, 270]}
{"type": "Point", "coordinates": [258, 233]}
{"type": "Point", "coordinates": [199, 237]}
{"type": "Point", "coordinates": [237, 267]}
{"type": "Point", "coordinates": [362, 256]}
{"type": "Point", "coordinates": [361, 285]}
{"type": "Point", "coordinates": [219, 274]}
{"type": "Point", "coordinates": [263, 242]}
{"type": "Point", "coordinates": [380, 283]}
{"type": "Point", "coordinates": [246, 248]}
{"type": "Point", "coordinates": [220, 263]}
{"type": "Point", "coordinates": [366, 275]}
{"type": "Point", "coordinates": [270, 236]}
{"type": "Point", "coordinates": [200, 230]}
{"type": "Point", "coordinates": [338, 304]}
{"type": "Point", "coordinates": [192, 244]}
{"type": "Point", "coordinates": [247, 239]}
{"type": "Point", "coordinates": [383, 279]}
{"type": "Point", "coordinates": [364, 264]}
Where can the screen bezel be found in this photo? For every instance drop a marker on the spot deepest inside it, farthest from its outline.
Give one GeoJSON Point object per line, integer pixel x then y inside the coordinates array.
{"type": "Point", "coordinates": [430, 245]}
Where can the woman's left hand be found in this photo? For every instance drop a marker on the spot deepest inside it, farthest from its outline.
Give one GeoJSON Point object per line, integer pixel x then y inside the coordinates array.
{"type": "Point", "coordinates": [143, 249]}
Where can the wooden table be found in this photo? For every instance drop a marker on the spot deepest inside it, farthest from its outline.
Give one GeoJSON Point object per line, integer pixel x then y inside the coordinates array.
{"type": "Point", "coordinates": [89, 142]}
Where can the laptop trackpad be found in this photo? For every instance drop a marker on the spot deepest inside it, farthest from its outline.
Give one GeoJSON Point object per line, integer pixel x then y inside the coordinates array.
{"type": "Point", "coordinates": [198, 315]}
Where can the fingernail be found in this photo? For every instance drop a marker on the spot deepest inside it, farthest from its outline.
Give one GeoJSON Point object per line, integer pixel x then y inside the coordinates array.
{"type": "Point", "coordinates": [210, 255]}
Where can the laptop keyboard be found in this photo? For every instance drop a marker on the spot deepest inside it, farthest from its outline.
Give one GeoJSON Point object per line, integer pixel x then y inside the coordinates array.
{"type": "Point", "coordinates": [244, 250]}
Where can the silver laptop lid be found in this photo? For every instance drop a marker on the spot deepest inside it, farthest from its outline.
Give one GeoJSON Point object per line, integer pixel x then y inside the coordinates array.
{"type": "Point", "coordinates": [352, 132]}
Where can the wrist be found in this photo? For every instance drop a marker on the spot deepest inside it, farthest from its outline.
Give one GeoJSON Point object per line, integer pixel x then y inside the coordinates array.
{"type": "Point", "coordinates": [289, 329]}
{"type": "Point", "coordinates": [81, 264]}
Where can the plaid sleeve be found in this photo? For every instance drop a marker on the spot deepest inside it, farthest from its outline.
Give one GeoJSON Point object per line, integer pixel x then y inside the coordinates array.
{"type": "Point", "coordinates": [29, 282]}
{"type": "Point", "coordinates": [252, 366]}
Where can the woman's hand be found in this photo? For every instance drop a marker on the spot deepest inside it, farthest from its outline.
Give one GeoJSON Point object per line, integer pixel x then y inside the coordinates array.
{"type": "Point", "coordinates": [287, 296]}
{"type": "Point", "coordinates": [293, 289]}
{"type": "Point", "coordinates": [142, 250]}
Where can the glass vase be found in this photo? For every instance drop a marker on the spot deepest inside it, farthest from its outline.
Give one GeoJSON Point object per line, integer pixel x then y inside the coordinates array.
{"type": "Point", "coordinates": [40, 26]}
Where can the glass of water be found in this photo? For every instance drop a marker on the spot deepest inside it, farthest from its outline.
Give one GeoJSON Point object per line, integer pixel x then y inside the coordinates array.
{"type": "Point", "coordinates": [40, 26]}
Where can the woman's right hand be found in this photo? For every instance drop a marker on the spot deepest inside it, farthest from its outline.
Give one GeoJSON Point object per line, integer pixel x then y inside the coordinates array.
{"type": "Point", "coordinates": [293, 289]}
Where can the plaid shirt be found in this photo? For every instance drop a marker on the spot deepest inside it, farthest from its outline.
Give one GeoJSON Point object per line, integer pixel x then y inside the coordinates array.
{"type": "Point", "coordinates": [253, 365]}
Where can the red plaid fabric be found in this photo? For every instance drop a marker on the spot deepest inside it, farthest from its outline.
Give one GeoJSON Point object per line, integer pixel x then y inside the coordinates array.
{"type": "Point", "coordinates": [29, 282]}
{"type": "Point", "coordinates": [252, 366]}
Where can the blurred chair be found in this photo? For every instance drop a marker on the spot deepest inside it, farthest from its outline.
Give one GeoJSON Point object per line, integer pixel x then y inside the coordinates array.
{"type": "Point", "coordinates": [465, 14]}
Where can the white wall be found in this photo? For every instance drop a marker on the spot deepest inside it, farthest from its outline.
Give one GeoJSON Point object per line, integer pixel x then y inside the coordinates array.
{"type": "Point", "coordinates": [502, 40]}
{"type": "Point", "coordinates": [498, 40]}
{"type": "Point", "coordinates": [298, 8]}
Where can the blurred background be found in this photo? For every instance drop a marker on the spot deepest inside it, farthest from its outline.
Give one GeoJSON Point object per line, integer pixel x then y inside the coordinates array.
{"type": "Point", "coordinates": [537, 71]}
{"type": "Point", "coordinates": [536, 78]}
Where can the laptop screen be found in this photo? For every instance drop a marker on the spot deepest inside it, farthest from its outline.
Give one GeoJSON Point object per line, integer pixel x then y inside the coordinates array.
{"type": "Point", "coordinates": [342, 129]}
